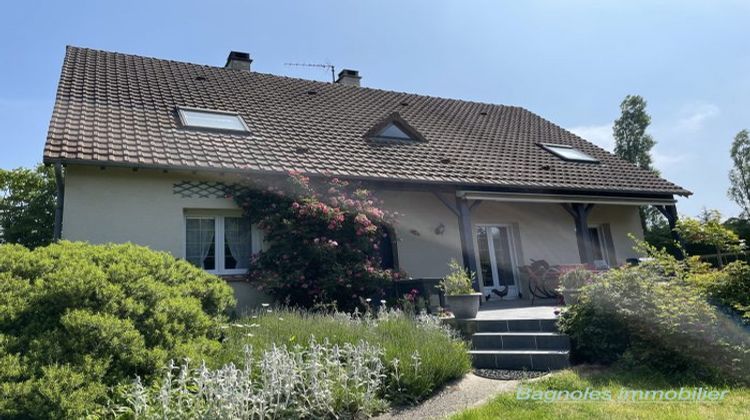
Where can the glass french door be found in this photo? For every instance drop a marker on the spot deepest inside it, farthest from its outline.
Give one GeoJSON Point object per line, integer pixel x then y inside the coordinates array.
{"type": "Point", "coordinates": [496, 265]}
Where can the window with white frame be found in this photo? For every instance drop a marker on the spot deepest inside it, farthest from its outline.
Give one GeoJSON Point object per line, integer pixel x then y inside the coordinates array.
{"type": "Point", "coordinates": [602, 245]}
{"type": "Point", "coordinates": [219, 244]}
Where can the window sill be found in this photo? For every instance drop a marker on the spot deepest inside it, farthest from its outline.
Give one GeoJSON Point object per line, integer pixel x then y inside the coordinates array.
{"type": "Point", "coordinates": [239, 272]}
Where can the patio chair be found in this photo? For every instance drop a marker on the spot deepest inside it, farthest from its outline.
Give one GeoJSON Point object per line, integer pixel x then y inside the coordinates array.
{"type": "Point", "coordinates": [542, 280]}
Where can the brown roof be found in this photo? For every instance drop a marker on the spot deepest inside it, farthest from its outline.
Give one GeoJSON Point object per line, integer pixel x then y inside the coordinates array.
{"type": "Point", "coordinates": [119, 109]}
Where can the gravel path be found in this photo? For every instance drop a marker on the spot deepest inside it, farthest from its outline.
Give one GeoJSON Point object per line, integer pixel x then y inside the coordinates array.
{"type": "Point", "coordinates": [467, 392]}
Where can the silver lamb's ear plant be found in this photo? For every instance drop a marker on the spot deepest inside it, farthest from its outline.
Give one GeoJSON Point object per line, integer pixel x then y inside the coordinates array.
{"type": "Point", "coordinates": [320, 381]}
{"type": "Point", "coordinates": [416, 362]}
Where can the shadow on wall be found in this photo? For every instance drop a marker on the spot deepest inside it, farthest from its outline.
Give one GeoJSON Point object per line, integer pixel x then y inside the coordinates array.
{"type": "Point", "coordinates": [248, 297]}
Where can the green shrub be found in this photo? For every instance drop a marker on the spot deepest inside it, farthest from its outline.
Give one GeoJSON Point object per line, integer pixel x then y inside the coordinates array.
{"type": "Point", "coordinates": [458, 281]}
{"type": "Point", "coordinates": [76, 319]}
{"type": "Point", "coordinates": [428, 354]}
{"type": "Point", "coordinates": [729, 287]}
{"type": "Point", "coordinates": [638, 315]}
{"type": "Point", "coordinates": [575, 279]}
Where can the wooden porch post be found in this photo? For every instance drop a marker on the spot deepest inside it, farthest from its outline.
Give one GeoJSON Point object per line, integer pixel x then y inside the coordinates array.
{"type": "Point", "coordinates": [670, 212]}
{"type": "Point", "coordinates": [465, 231]}
{"type": "Point", "coordinates": [580, 213]}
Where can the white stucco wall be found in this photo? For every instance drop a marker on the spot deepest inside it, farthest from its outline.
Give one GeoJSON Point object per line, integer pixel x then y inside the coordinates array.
{"type": "Point", "coordinates": [119, 205]}
{"type": "Point", "coordinates": [421, 251]}
{"type": "Point", "coordinates": [547, 231]}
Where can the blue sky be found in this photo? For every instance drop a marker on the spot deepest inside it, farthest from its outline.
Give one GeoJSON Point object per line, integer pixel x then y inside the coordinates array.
{"type": "Point", "coordinates": [570, 61]}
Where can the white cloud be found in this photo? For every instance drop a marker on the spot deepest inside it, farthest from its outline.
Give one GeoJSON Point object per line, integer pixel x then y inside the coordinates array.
{"type": "Point", "coordinates": [694, 116]}
{"type": "Point", "coordinates": [601, 135]}
{"type": "Point", "coordinates": [665, 160]}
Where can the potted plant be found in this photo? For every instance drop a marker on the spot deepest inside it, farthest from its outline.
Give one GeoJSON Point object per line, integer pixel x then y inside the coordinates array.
{"type": "Point", "coordinates": [460, 296]}
{"type": "Point", "coordinates": [572, 282]}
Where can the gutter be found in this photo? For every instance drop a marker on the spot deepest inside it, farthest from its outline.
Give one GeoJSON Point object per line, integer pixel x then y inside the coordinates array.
{"type": "Point", "coordinates": [60, 199]}
{"type": "Point", "coordinates": [442, 185]}
{"type": "Point", "coordinates": [563, 198]}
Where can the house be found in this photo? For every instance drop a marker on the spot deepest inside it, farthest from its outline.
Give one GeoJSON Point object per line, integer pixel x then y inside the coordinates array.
{"type": "Point", "coordinates": [149, 146]}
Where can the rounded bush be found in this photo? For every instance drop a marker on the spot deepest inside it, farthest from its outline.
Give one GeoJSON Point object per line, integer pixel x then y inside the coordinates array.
{"type": "Point", "coordinates": [640, 317]}
{"type": "Point", "coordinates": [76, 319]}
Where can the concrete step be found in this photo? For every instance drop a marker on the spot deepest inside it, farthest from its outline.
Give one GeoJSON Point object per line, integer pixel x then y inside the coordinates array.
{"type": "Point", "coordinates": [520, 341]}
{"type": "Point", "coordinates": [516, 325]}
{"type": "Point", "coordinates": [543, 360]}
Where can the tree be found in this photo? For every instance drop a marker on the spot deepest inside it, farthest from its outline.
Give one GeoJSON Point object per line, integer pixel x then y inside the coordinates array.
{"type": "Point", "coordinates": [740, 226]}
{"type": "Point", "coordinates": [634, 145]}
{"type": "Point", "coordinates": [708, 230]}
{"type": "Point", "coordinates": [631, 141]}
{"type": "Point", "coordinates": [27, 206]}
{"type": "Point", "coordinates": [739, 175]}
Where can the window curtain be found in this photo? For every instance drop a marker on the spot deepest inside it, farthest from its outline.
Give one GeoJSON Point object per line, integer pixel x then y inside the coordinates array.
{"type": "Point", "coordinates": [208, 227]}
{"type": "Point", "coordinates": [237, 233]}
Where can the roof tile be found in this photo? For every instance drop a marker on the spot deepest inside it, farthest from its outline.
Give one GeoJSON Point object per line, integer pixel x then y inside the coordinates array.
{"type": "Point", "coordinates": [120, 109]}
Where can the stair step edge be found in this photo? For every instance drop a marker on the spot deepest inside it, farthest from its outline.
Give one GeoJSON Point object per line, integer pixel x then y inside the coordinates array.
{"type": "Point", "coordinates": [520, 334]}
{"type": "Point", "coordinates": [506, 352]}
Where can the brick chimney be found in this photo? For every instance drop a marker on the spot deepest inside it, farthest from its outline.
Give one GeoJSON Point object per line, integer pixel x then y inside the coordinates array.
{"type": "Point", "coordinates": [349, 77]}
{"type": "Point", "coordinates": [238, 61]}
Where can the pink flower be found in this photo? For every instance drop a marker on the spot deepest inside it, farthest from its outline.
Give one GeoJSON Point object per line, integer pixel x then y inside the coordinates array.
{"type": "Point", "coordinates": [362, 219]}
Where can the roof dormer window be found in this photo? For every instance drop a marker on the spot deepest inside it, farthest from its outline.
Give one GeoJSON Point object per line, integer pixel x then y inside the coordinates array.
{"type": "Point", "coordinates": [569, 153]}
{"type": "Point", "coordinates": [392, 131]}
{"type": "Point", "coordinates": [211, 119]}
{"type": "Point", "coordinates": [394, 127]}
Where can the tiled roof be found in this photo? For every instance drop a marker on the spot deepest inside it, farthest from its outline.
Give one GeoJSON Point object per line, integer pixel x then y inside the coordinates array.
{"type": "Point", "coordinates": [119, 109]}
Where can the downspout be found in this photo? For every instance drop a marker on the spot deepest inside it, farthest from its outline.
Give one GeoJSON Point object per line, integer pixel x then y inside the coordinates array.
{"type": "Point", "coordinates": [60, 198]}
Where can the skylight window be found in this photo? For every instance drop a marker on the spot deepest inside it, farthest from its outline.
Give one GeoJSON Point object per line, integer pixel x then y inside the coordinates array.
{"type": "Point", "coordinates": [392, 131]}
{"type": "Point", "coordinates": [217, 120]}
{"type": "Point", "coordinates": [566, 152]}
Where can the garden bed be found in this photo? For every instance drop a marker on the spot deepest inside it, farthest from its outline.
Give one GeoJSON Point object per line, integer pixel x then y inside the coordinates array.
{"type": "Point", "coordinates": [297, 364]}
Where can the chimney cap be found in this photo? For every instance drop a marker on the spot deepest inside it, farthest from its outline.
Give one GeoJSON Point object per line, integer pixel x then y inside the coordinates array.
{"type": "Point", "coordinates": [238, 60]}
{"type": "Point", "coordinates": [349, 72]}
{"type": "Point", "coordinates": [349, 77]}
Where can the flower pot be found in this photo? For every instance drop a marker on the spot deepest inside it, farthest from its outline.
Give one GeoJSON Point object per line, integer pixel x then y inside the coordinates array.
{"type": "Point", "coordinates": [570, 296]}
{"type": "Point", "coordinates": [464, 306]}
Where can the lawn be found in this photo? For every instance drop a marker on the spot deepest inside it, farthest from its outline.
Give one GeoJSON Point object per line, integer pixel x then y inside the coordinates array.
{"type": "Point", "coordinates": [735, 405]}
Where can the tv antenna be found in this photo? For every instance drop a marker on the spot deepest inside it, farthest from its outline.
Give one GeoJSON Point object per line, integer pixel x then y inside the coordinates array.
{"type": "Point", "coordinates": [323, 66]}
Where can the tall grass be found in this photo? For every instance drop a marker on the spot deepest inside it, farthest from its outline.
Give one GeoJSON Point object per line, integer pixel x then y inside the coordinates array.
{"type": "Point", "coordinates": [419, 353]}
